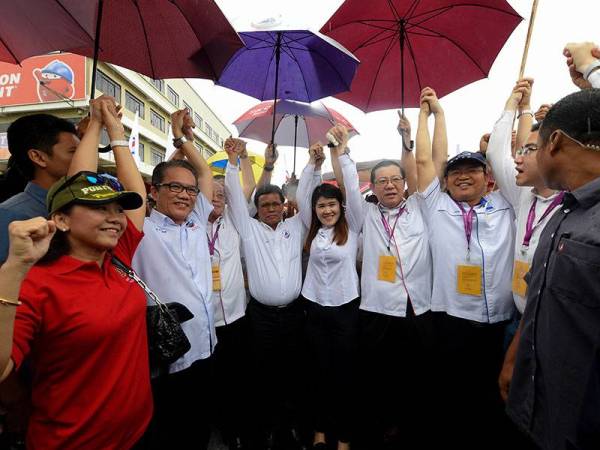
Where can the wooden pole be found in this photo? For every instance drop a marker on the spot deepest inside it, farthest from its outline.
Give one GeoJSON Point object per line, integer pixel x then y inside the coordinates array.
{"type": "Point", "coordinates": [528, 41]}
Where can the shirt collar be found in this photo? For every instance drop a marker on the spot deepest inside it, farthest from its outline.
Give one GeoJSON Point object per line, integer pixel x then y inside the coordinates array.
{"type": "Point", "coordinates": [162, 220]}
{"type": "Point", "coordinates": [586, 196]}
{"type": "Point", "coordinates": [36, 192]}
{"type": "Point", "coordinates": [67, 264]}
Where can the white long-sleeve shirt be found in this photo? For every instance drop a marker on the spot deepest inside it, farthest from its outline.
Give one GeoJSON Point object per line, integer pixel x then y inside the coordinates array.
{"type": "Point", "coordinates": [273, 256]}
{"type": "Point", "coordinates": [409, 245]}
{"type": "Point", "coordinates": [521, 198]}
{"type": "Point", "coordinates": [331, 278]}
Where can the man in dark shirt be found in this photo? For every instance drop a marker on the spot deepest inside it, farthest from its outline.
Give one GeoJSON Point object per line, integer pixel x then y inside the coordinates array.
{"type": "Point", "coordinates": [560, 330]}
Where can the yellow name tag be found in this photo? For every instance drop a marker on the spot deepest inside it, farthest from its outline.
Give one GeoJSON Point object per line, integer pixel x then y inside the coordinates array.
{"type": "Point", "coordinates": [468, 280]}
{"type": "Point", "coordinates": [519, 286]}
{"type": "Point", "coordinates": [387, 268]}
{"type": "Point", "coordinates": [216, 278]}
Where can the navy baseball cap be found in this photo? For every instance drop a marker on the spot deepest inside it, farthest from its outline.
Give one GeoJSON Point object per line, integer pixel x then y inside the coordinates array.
{"type": "Point", "coordinates": [463, 157]}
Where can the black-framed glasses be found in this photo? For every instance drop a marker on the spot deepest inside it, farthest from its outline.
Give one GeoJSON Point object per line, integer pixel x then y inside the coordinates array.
{"type": "Point", "coordinates": [178, 188]}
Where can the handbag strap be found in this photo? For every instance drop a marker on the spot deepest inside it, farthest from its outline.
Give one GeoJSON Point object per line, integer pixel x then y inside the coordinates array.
{"type": "Point", "coordinates": [134, 276]}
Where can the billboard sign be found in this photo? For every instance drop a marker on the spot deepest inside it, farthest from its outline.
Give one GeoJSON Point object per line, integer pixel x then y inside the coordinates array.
{"type": "Point", "coordinates": [43, 79]}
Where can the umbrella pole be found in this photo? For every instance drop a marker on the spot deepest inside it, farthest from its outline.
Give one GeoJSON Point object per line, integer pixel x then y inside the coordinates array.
{"type": "Point", "coordinates": [277, 58]}
{"type": "Point", "coordinates": [96, 48]}
{"type": "Point", "coordinates": [402, 39]}
{"type": "Point", "coordinates": [295, 139]}
{"type": "Point", "coordinates": [528, 41]}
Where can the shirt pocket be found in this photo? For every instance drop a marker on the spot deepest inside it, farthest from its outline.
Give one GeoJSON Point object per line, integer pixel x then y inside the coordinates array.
{"type": "Point", "coordinates": [574, 274]}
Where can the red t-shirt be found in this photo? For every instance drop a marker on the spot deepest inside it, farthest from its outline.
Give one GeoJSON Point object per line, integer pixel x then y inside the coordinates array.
{"type": "Point", "coordinates": [84, 328]}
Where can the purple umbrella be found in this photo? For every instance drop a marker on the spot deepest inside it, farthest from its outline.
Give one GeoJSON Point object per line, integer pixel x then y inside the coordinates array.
{"type": "Point", "coordinates": [293, 65]}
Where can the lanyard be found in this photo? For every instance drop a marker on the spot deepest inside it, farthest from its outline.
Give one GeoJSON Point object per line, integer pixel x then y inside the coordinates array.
{"type": "Point", "coordinates": [529, 226]}
{"type": "Point", "coordinates": [213, 240]}
{"type": "Point", "coordinates": [468, 222]}
{"type": "Point", "coordinates": [389, 230]}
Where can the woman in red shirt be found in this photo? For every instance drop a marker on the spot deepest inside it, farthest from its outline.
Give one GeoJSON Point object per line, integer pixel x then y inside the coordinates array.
{"type": "Point", "coordinates": [80, 321]}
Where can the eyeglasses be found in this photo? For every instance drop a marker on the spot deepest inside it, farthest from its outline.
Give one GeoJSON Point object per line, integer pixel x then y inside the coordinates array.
{"type": "Point", "coordinates": [526, 150]}
{"type": "Point", "coordinates": [178, 188]}
{"type": "Point", "coordinates": [594, 147]}
{"type": "Point", "coordinates": [466, 171]}
{"type": "Point", "coordinates": [383, 181]}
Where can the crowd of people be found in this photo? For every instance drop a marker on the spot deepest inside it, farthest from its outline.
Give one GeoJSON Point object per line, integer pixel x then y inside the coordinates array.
{"type": "Point", "coordinates": [459, 309]}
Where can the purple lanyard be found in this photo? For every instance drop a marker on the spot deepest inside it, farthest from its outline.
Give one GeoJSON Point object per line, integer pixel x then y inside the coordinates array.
{"type": "Point", "coordinates": [529, 226]}
{"type": "Point", "coordinates": [213, 240]}
{"type": "Point", "coordinates": [386, 225]}
{"type": "Point", "coordinates": [467, 222]}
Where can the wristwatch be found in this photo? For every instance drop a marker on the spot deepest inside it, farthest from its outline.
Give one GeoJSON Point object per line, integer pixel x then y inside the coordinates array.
{"type": "Point", "coordinates": [410, 147]}
{"type": "Point", "coordinates": [178, 142]}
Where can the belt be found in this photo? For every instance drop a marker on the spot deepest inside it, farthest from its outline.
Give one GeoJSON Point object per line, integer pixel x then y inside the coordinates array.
{"type": "Point", "coordinates": [272, 307]}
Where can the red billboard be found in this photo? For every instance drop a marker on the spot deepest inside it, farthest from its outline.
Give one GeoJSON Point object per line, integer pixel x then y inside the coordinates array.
{"type": "Point", "coordinates": [42, 79]}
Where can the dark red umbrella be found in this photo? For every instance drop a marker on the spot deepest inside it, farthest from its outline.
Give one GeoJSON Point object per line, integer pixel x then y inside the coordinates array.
{"type": "Point", "coordinates": [159, 38]}
{"type": "Point", "coordinates": [405, 45]}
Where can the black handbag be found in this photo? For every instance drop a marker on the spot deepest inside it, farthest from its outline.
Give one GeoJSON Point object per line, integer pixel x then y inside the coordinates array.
{"type": "Point", "coordinates": [167, 341]}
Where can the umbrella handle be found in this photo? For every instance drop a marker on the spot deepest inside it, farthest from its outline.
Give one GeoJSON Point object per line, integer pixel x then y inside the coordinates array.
{"type": "Point", "coordinates": [96, 48]}
{"type": "Point", "coordinates": [277, 58]}
{"type": "Point", "coordinates": [528, 40]}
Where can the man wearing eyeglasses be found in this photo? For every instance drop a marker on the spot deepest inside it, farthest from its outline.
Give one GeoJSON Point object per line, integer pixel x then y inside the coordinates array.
{"type": "Point", "coordinates": [471, 238]}
{"type": "Point", "coordinates": [534, 204]}
{"type": "Point", "coordinates": [174, 260]}
{"type": "Point", "coordinates": [395, 336]}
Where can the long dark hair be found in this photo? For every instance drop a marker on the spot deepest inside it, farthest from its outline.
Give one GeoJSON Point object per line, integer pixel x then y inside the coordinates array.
{"type": "Point", "coordinates": [37, 131]}
{"type": "Point", "coordinates": [340, 230]}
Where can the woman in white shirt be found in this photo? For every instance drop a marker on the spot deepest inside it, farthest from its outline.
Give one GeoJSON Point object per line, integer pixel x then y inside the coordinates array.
{"type": "Point", "coordinates": [331, 288]}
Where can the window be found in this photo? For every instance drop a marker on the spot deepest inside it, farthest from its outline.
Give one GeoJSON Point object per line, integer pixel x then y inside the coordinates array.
{"type": "Point", "coordinates": [216, 137]}
{"type": "Point", "coordinates": [158, 155]}
{"type": "Point", "coordinates": [133, 104]}
{"type": "Point", "coordinates": [157, 120]}
{"type": "Point", "coordinates": [108, 86]}
{"type": "Point", "coordinates": [189, 108]}
{"type": "Point", "coordinates": [198, 121]}
{"type": "Point", "coordinates": [209, 131]}
{"type": "Point", "coordinates": [141, 150]}
{"type": "Point", "coordinates": [173, 96]}
{"type": "Point", "coordinates": [221, 142]}
{"type": "Point", "coordinates": [158, 84]}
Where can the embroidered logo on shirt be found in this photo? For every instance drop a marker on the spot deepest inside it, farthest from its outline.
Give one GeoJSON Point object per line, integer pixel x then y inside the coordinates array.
{"type": "Point", "coordinates": [286, 234]}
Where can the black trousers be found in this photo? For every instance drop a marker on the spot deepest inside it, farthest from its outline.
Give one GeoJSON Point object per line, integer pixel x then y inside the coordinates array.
{"type": "Point", "coordinates": [279, 353]}
{"type": "Point", "coordinates": [471, 413]}
{"type": "Point", "coordinates": [182, 409]}
{"type": "Point", "coordinates": [395, 372]}
{"type": "Point", "coordinates": [333, 339]}
{"type": "Point", "coordinates": [231, 363]}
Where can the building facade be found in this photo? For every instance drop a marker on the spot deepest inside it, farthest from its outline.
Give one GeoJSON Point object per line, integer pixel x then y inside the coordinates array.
{"type": "Point", "coordinates": [59, 84]}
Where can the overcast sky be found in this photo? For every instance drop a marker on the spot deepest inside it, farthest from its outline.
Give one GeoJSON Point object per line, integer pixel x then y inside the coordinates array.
{"type": "Point", "coordinates": [470, 111]}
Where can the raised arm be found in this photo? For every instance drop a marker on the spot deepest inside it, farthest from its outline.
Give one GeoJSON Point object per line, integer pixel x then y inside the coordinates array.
{"type": "Point", "coordinates": [409, 162]}
{"type": "Point", "coordinates": [127, 171]}
{"type": "Point", "coordinates": [182, 125]}
{"type": "Point", "coordinates": [426, 170]}
{"type": "Point", "coordinates": [580, 57]}
{"type": "Point", "coordinates": [29, 241]}
{"type": "Point", "coordinates": [526, 115]}
{"type": "Point", "coordinates": [439, 147]}
{"type": "Point", "coordinates": [249, 184]}
{"type": "Point", "coordinates": [499, 154]}
{"type": "Point", "coordinates": [309, 179]}
{"type": "Point", "coordinates": [235, 196]}
{"type": "Point", "coordinates": [271, 155]}
{"type": "Point", "coordinates": [86, 156]}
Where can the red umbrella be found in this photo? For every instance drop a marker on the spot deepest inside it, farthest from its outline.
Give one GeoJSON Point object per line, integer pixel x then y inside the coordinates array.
{"type": "Point", "coordinates": [405, 45]}
{"type": "Point", "coordinates": [159, 38]}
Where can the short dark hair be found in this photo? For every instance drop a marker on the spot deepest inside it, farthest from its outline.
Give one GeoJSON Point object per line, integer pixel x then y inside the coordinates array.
{"type": "Point", "coordinates": [536, 127]}
{"type": "Point", "coordinates": [37, 131]}
{"type": "Point", "coordinates": [386, 163]}
{"type": "Point", "coordinates": [220, 178]}
{"type": "Point", "coordinates": [578, 115]}
{"type": "Point", "coordinates": [158, 174]}
{"type": "Point", "coordinates": [268, 189]}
